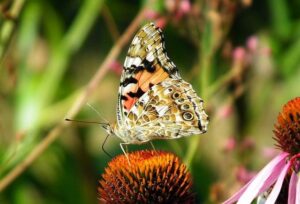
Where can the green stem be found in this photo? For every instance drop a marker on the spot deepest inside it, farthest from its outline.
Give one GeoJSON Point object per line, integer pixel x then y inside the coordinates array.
{"type": "Point", "coordinates": [221, 82]}
{"type": "Point", "coordinates": [70, 43]}
{"type": "Point", "coordinates": [50, 82]}
{"type": "Point", "coordinates": [9, 25]}
{"type": "Point", "coordinates": [206, 53]}
{"type": "Point", "coordinates": [195, 141]}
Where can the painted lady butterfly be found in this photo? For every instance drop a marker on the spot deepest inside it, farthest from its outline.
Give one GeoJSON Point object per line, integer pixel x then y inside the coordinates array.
{"type": "Point", "coordinates": [154, 101]}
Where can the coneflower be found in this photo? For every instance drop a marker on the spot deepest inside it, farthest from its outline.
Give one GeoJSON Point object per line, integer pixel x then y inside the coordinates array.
{"type": "Point", "coordinates": [151, 177]}
{"type": "Point", "coordinates": [279, 180]}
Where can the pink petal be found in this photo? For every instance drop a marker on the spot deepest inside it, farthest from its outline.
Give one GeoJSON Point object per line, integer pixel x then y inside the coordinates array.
{"type": "Point", "coordinates": [238, 194]}
{"type": "Point", "coordinates": [264, 179]}
{"type": "Point", "coordinates": [298, 192]}
{"type": "Point", "coordinates": [277, 187]}
{"type": "Point", "coordinates": [292, 188]}
{"type": "Point", "coordinates": [270, 168]}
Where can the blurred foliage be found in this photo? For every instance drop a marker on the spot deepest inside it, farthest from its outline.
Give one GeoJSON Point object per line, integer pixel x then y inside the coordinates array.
{"type": "Point", "coordinates": [242, 57]}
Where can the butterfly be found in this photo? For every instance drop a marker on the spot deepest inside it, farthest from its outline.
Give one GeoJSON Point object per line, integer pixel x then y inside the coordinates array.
{"type": "Point", "coordinates": [154, 102]}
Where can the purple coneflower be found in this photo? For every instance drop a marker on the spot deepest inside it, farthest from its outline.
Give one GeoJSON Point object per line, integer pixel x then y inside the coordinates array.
{"type": "Point", "coordinates": [151, 177]}
{"type": "Point", "coordinates": [284, 167]}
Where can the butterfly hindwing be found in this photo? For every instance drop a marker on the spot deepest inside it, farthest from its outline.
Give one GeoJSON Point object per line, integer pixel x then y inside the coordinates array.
{"type": "Point", "coordinates": [170, 109]}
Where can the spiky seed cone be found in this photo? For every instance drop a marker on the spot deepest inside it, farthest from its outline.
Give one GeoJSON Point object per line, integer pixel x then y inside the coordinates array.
{"type": "Point", "coordinates": [287, 129]}
{"type": "Point", "coordinates": [151, 177]}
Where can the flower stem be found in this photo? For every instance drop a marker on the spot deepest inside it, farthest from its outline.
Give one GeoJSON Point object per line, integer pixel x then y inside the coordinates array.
{"type": "Point", "coordinates": [8, 26]}
{"type": "Point", "coordinates": [70, 43]}
{"type": "Point", "coordinates": [205, 56]}
{"type": "Point", "coordinates": [91, 86]}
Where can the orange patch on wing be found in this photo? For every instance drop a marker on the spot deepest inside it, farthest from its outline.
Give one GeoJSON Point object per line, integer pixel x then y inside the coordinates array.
{"type": "Point", "coordinates": [158, 76]}
{"type": "Point", "coordinates": [129, 103]}
{"type": "Point", "coordinates": [144, 79]}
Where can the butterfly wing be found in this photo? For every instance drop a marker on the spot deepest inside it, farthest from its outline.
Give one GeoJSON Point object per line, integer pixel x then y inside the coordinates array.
{"type": "Point", "coordinates": [146, 64]}
{"type": "Point", "coordinates": [170, 109]}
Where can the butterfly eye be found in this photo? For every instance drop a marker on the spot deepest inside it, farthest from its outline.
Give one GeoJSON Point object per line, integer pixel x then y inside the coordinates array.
{"type": "Point", "coordinates": [175, 95]}
{"type": "Point", "coordinates": [185, 107]}
{"type": "Point", "coordinates": [187, 116]}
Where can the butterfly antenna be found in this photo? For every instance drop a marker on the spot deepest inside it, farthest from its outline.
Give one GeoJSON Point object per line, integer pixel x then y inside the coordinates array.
{"type": "Point", "coordinates": [104, 125]}
{"type": "Point", "coordinates": [103, 146]}
{"type": "Point", "coordinates": [82, 121]}
{"type": "Point", "coordinates": [98, 113]}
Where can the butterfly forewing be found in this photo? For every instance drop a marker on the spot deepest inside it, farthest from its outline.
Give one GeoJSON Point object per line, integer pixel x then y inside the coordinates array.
{"type": "Point", "coordinates": [146, 64]}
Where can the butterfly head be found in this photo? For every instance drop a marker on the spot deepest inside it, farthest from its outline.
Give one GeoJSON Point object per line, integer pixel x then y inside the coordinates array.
{"type": "Point", "coordinates": [108, 128]}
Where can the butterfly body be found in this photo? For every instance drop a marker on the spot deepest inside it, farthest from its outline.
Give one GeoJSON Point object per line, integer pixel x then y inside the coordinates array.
{"type": "Point", "coordinates": [154, 101]}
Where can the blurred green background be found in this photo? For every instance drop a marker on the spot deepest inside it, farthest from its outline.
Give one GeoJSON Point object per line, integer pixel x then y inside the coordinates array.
{"type": "Point", "coordinates": [241, 56]}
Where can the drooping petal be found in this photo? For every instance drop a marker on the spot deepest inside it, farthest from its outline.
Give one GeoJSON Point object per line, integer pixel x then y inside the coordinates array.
{"type": "Point", "coordinates": [292, 188]}
{"type": "Point", "coordinates": [277, 187]}
{"type": "Point", "coordinates": [298, 191]}
{"type": "Point", "coordinates": [270, 166]}
{"type": "Point", "coordinates": [264, 179]}
{"type": "Point", "coordinates": [238, 194]}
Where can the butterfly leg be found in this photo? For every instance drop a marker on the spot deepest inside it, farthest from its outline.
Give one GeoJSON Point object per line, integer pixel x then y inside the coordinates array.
{"type": "Point", "coordinates": [152, 145]}
{"type": "Point", "coordinates": [126, 155]}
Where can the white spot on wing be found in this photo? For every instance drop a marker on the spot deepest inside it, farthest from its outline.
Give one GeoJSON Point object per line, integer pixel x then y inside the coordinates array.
{"type": "Point", "coordinates": [126, 63]}
{"type": "Point", "coordinates": [129, 61]}
{"type": "Point", "coordinates": [162, 110]}
{"type": "Point", "coordinates": [136, 41]}
{"type": "Point", "coordinates": [137, 61]}
{"type": "Point", "coordinates": [129, 87]}
{"type": "Point", "coordinates": [145, 98]}
{"type": "Point", "coordinates": [150, 57]}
